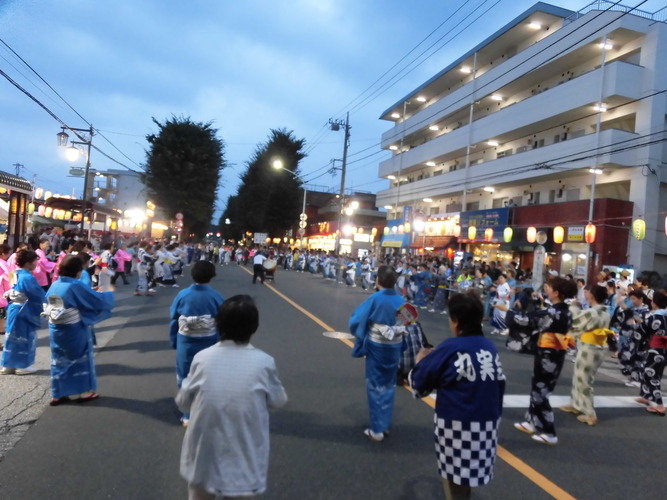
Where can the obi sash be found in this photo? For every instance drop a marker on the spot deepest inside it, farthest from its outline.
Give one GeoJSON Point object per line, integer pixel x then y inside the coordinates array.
{"type": "Point", "coordinates": [197, 326]}
{"type": "Point", "coordinates": [16, 297]}
{"type": "Point", "coordinates": [385, 334]}
{"type": "Point", "coordinates": [560, 341]}
{"type": "Point", "coordinates": [596, 337]}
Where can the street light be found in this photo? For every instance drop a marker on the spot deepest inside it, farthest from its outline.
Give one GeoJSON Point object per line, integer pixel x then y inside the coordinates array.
{"type": "Point", "coordinates": [278, 165]}
{"type": "Point", "coordinates": [73, 152]}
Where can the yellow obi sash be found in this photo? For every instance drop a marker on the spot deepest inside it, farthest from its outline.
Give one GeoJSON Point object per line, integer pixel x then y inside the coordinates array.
{"type": "Point", "coordinates": [558, 341]}
{"type": "Point", "coordinates": [597, 336]}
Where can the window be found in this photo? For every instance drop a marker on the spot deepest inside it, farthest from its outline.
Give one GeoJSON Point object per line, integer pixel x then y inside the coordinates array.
{"type": "Point", "coordinates": [473, 205]}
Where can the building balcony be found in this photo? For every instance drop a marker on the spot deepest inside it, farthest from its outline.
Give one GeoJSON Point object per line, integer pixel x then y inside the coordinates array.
{"type": "Point", "coordinates": [518, 169]}
{"type": "Point", "coordinates": [568, 102]}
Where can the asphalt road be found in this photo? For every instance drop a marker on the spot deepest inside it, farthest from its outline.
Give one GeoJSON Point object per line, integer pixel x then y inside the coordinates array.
{"type": "Point", "coordinates": [126, 445]}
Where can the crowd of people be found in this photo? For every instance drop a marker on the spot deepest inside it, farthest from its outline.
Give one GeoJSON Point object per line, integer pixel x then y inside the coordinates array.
{"type": "Point", "coordinates": [69, 280]}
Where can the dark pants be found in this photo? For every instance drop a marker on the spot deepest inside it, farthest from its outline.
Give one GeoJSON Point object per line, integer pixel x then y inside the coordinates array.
{"type": "Point", "coordinates": [546, 370]}
{"type": "Point", "coordinates": [122, 275]}
{"type": "Point", "coordinates": [258, 270]}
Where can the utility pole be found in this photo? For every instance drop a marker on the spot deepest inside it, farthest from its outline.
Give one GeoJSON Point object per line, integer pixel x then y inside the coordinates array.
{"type": "Point", "coordinates": [335, 126]}
{"type": "Point", "coordinates": [18, 167]}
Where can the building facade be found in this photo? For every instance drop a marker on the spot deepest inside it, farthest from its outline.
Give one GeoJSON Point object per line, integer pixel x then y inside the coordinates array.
{"type": "Point", "coordinates": [553, 114]}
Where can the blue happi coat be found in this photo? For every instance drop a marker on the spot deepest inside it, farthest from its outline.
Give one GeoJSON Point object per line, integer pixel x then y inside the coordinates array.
{"type": "Point", "coordinates": [196, 301]}
{"type": "Point", "coordinates": [381, 358]}
{"type": "Point", "coordinates": [23, 319]}
{"type": "Point", "coordinates": [72, 358]}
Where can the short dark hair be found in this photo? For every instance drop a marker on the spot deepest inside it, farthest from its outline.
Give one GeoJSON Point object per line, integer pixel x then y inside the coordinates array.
{"type": "Point", "coordinates": [660, 299]}
{"type": "Point", "coordinates": [70, 266]}
{"type": "Point", "coordinates": [238, 319]}
{"type": "Point", "coordinates": [5, 248]}
{"type": "Point", "coordinates": [387, 276]}
{"type": "Point", "coordinates": [24, 257]}
{"type": "Point", "coordinates": [599, 293]}
{"type": "Point", "coordinates": [565, 289]}
{"type": "Point", "coordinates": [203, 271]}
{"type": "Point", "coordinates": [468, 310]}
{"type": "Point", "coordinates": [639, 294]}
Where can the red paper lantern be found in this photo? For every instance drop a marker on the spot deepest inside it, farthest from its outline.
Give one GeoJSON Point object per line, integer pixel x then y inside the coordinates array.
{"type": "Point", "coordinates": [589, 233]}
{"type": "Point", "coordinates": [450, 253]}
{"type": "Point", "coordinates": [531, 234]}
{"type": "Point", "coordinates": [488, 234]}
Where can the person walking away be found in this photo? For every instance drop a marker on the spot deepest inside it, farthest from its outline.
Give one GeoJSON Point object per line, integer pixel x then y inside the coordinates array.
{"type": "Point", "coordinates": [656, 329]}
{"type": "Point", "coordinates": [192, 327]}
{"type": "Point", "coordinates": [465, 371]}
{"type": "Point", "coordinates": [71, 309]}
{"type": "Point", "coordinates": [258, 267]}
{"type": "Point", "coordinates": [228, 393]}
{"type": "Point", "coordinates": [629, 321]}
{"type": "Point", "coordinates": [105, 274]}
{"type": "Point", "coordinates": [23, 318]}
{"type": "Point", "coordinates": [554, 324]}
{"type": "Point", "coordinates": [378, 338]}
{"type": "Point", "coordinates": [591, 326]}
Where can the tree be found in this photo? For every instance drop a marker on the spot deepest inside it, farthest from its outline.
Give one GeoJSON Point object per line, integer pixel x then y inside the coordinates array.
{"type": "Point", "coordinates": [183, 167]}
{"type": "Point", "coordinates": [269, 200]}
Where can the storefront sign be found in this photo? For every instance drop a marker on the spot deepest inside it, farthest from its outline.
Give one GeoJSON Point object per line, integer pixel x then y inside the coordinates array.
{"type": "Point", "coordinates": [495, 218]}
{"type": "Point", "coordinates": [407, 214]}
{"type": "Point", "coordinates": [538, 266]}
{"type": "Point", "coordinates": [575, 233]}
{"type": "Point", "coordinates": [260, 238]}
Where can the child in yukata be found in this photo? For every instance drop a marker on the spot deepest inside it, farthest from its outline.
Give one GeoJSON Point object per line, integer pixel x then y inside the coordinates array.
{"type": "Point", "coordinates": [228, 393]}
{"type": "Point", "coordinates": [192, 315]}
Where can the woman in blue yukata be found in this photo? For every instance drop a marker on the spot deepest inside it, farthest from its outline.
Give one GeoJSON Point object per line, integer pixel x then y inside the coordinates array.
{"type": "Point", "coordinates": [466, 372]}
{"type": "Point", "coordinates": [192, 327]}
{"type": "Point", "coordinates": [72, 307]}
{"type": "Point", "coordinates": [23, 318]}
{"type": "Point", "coordinates": [423, 280]}
{"type": "Point", "coordinates": [378, 338]}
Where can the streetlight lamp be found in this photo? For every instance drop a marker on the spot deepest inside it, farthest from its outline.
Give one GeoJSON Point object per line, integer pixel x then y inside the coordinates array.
{"type": "Point", "coordinates": [278, 165]}
{"type": "Point", "coordinates": [73, 152]}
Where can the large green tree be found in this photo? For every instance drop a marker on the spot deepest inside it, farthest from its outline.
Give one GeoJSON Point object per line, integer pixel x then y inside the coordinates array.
{"type": "Point", "coordinates": [268, 200]}
{"type": "Point", "coordinates": [183, 166]}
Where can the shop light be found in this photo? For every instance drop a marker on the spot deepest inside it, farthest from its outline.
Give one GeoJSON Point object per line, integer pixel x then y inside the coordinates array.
{"type": "Point", "coordinates": [567, 257]}
{"type": "Point", "coordinates": [434, 128]}
{"type": "Point", "coordinates": [489, 189]}
{"type": "Point", "coordinates": [466, 70]}
{"type": "Point", "coordinates": [472, 232]}
{"type": "Point", "coordinates": [421, 98]}
{"type": "Point", "coordinates": [535, 25]}
{"type": "Point", "coordinates": [497, 97]}
{"type": "Point", "coordinates": [457, 229]}
{"type": "Point", "coordinates": [492, 143]}
{"type": "Point", "coordinates": [427, 200]}
{"type": "Point", "coordinates": [388, 207]}
{"type": "Point", "coordinates": [596, 171]}
{"type": "Point", "coordinates": [395, 115]}
{"type": "Point", "coordinates": [606, 44]}
{"type": "Point", "coordinates": [600, 107]}
{"type": "Point", "coordinates": [430, 164]}
{"type": "Point", "coordinates": [385, 231]}
{"type": "Point", "coordinates": [488, 234]}
{"type": "Point", "coordinates": [393, 147]}
{"type": "Point", "coordinates": [391, 177]}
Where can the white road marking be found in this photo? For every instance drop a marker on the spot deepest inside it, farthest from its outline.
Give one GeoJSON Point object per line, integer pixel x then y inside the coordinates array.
{"type": "Point", "coordinates": [522, 401]}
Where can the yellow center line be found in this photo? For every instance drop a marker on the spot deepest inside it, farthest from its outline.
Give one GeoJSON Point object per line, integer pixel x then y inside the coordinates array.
{"type": "Point", "coordinates": [512, 460]}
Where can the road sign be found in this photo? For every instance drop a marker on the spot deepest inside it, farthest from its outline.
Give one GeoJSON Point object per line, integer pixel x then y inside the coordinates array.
{"type": "Point", "coordinates": [76, 172]}
{"type": "Point", "coordinates": [303, 217]}
{"type": "Point", "coordinates": [301, 232]}
{"type": "Point", "coordinates": [302, 224]}
{"type": "Point", "coordinates": [179, 216]}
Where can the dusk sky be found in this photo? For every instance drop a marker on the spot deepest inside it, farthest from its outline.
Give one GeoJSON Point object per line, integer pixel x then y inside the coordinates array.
{"type": "Point", "coordinates": [247, 66]}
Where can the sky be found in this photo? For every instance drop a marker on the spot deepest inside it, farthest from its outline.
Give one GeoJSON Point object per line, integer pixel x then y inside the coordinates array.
{"type": "Point", "coordinates": [245, 66]}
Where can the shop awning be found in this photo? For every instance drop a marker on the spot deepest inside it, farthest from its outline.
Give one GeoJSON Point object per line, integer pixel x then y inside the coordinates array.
{"type": "Point", "coordinates": [433, 242]}
{"type": "Point", "coordinates": [395, 240]}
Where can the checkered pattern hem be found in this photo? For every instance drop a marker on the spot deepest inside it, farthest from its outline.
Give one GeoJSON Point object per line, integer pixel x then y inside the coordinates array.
{"type": "Point", "coordinates": [466, 451]}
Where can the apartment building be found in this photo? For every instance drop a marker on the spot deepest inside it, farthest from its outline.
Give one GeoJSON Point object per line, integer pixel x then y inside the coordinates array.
{"type": "Point", "coordinates": [557, 119]}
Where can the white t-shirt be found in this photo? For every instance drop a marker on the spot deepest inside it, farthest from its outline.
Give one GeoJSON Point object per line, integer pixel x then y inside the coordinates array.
{"type": "Point", "coordinates": [259, 259]}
